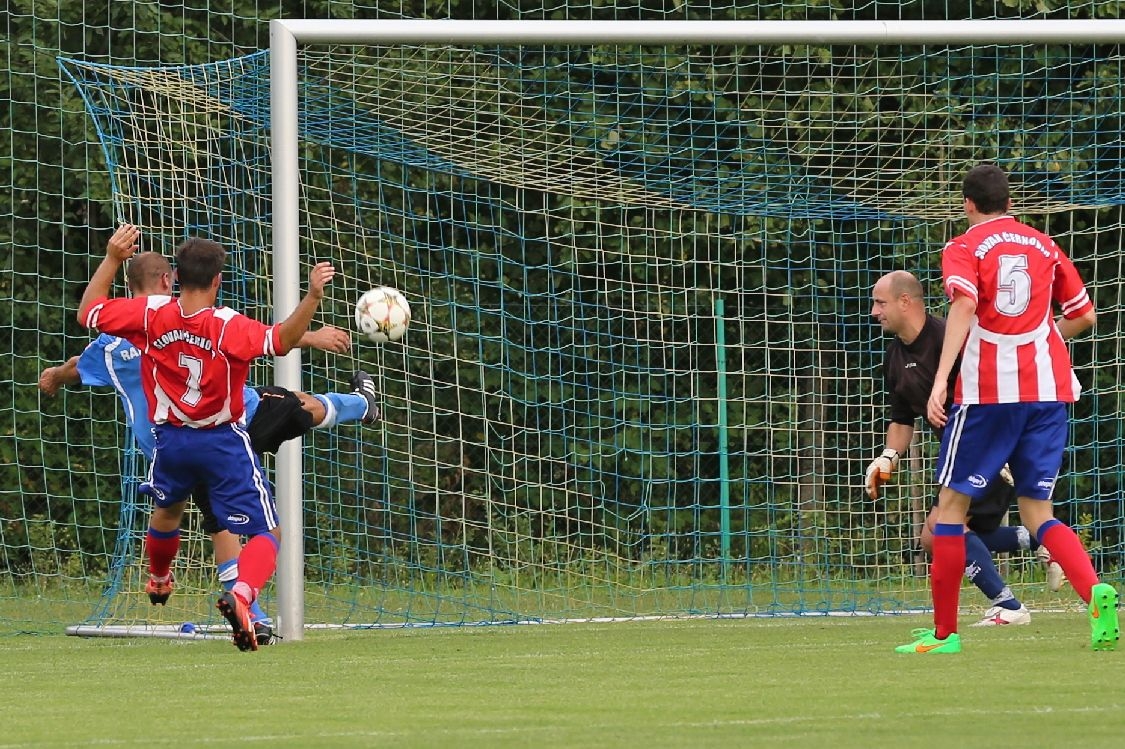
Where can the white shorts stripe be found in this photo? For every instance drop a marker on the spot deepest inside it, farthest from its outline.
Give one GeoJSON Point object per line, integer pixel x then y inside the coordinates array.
{"type": "Point", "coordinates": [259, 480]}
{"type": "Point", "coordinates": [955, 425]}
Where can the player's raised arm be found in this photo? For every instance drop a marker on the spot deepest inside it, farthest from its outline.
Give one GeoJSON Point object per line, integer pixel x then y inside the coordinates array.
{"type": "Point", "coordinates": [296, 325]}
{"type": "Point", "coordinates": [121, 246]}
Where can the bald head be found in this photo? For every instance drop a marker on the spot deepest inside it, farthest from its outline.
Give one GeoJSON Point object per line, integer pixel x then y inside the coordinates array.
{"type": "Point", "coordinates": [900, 282]}
{"type": "Point", "coordinates": [149, 273]}
{"type": "Point", "coordinates": [898, 304]}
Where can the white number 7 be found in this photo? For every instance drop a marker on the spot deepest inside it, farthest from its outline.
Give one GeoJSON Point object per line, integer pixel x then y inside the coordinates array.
{"type": "Point", "coordinates": [194, 366]}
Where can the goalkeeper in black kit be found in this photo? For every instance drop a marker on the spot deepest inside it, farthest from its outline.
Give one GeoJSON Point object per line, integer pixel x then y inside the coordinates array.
{"type": "Point", "coordinates": [908, 372]}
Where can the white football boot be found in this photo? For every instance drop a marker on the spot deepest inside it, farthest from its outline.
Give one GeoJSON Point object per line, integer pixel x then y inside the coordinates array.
{"type": "Point", "coordinates": [998, 616]}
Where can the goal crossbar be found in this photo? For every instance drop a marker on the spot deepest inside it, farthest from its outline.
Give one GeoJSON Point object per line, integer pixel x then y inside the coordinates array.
{"type": "Point", "coordinates": [445, 31]}
{"type": "Point", "coordinates": [287, 35]}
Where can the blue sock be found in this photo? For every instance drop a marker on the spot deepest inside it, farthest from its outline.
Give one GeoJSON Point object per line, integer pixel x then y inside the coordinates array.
{"type": "Point", "coordinates": [258, 614]}
{"type": "Point", "coordinates": [982, 572]}
{"type": "Point", "coordinates": [344, 407]}
{"type": "Point", "coordinates": [228, 576]}
{"type": "Point", "coordinates": [1008, 538]}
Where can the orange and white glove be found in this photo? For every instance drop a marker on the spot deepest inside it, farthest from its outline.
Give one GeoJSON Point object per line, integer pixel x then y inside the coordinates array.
{"type": "Point", "coordinates": [880, 470]}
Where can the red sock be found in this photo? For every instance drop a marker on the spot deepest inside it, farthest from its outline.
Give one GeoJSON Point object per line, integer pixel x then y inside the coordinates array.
{"type": "Point", "coordinates": [1066, 549]}
{"type": "Point", "coordinates": [257, 562]}
{"type": "Point", "coordinates": [946, 572]}
{"type": "Point", "coordinates": [161, 548]}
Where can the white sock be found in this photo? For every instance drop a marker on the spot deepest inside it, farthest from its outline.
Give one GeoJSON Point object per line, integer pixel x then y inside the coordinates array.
{"type": "Point", "coordinates": [329, 413]}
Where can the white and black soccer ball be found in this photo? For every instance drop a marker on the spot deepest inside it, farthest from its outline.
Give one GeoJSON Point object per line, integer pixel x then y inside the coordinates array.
{"type": "Point", "coordinates": [382, 314]}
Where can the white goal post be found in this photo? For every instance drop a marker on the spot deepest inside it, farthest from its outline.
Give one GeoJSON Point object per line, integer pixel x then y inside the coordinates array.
{"type": "Point", "coordinates": [286, 35]}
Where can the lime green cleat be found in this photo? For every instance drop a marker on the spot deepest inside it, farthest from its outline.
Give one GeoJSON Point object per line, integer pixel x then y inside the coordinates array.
{"type": "Point", "coordinates": [1104, 627]}
{"type": "Point", "coordinates": [926, 642]}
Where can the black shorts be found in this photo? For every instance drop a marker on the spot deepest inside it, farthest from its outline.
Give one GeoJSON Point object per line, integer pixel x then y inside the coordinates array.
{"type": "Point", "coordinates": [279, 417]}
{"type": "Point", "coordinates": [987, 513]}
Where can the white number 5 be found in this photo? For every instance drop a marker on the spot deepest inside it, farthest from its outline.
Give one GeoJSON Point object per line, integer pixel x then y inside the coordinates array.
{"type": "Point", "coordinates": [194, 366]}
{"type": "Point", "coordinates": [1013, 287]}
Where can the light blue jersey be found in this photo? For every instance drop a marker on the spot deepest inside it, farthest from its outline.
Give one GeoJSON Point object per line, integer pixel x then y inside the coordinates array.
{"type": "Point", "coordinates": [109, 360]}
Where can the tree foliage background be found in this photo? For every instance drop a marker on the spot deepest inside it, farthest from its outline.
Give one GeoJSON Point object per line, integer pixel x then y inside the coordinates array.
{"type": "Point", "coordinates": [55, 225]}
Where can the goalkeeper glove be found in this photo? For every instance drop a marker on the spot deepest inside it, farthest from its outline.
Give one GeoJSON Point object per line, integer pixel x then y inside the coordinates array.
{"type": "Point", "coordinates": [880, 470]}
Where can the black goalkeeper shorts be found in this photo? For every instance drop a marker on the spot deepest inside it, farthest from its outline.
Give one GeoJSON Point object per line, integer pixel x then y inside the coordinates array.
{"type": "Point", "coordinates": [987, 513]}
{"type": "Point", "coordinates": [279, 418]}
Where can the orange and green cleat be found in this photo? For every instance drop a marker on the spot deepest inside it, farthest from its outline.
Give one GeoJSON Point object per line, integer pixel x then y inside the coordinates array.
{"type": "Point", "coordinates": [1104, 627]}
{"type": "Point", "coordinates": [925, 641]}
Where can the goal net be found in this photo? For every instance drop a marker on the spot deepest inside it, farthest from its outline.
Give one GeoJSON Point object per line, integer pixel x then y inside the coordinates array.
{"type": "Point", "coordinates": [642, 378]}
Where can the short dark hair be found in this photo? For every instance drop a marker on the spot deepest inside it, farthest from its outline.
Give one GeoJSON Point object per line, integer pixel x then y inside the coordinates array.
{"type": "Point", "coordinates": [145, 270]}
{"type": "Point", "coordinates": [987, 186]}
{"type": "Point", "coordinates": [198, 261]}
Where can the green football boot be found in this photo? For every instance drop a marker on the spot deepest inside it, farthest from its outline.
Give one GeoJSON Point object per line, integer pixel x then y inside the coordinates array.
{"type": "Point", "coordinates": [926, 642]}
{"type": "Point", "coordinates": [1104, 627]}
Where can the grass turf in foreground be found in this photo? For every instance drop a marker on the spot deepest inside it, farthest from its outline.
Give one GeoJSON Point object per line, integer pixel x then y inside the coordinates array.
{"type": "Point", "coordinates": [759, 682]}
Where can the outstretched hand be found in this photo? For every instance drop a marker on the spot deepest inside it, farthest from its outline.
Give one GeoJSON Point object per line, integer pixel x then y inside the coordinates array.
{"type": "Point", "coordinates": [49, 381]}
{"type": "Point", "coordinates": [329, 339]}
{"type": "Point", "coordinates": [53, 378]}
{"type": "Point", "coordinates": [124, 243]}
{"type": "Point", "coordinates": [319, 277]}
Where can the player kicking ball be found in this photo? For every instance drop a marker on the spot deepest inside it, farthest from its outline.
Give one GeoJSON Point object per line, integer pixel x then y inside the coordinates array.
{"type": "Point", "coordinates": [195, 357]}
{"type": "Point", "coordinates": [274, 414]}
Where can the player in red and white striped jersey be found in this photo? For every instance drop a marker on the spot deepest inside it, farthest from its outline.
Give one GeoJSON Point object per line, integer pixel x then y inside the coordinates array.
{"type": "Point", "coordinates": [194, 360]}
{"type": "Point", "coordinates": [1014, 351]}
{"type": "Point", "coordinates": [1004, 280]}
{"type": "Point", "coordinates": [196, 363]}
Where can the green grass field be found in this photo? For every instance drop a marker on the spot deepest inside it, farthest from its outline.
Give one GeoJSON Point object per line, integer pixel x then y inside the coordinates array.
{"type": "Point", "coordinates": [815, 682]}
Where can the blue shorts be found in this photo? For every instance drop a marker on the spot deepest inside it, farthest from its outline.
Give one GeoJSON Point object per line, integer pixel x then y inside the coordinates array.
{"type": "Point", "coordinates": [221, 459]}
{"type": "Point", "coordinates": [979, 439]}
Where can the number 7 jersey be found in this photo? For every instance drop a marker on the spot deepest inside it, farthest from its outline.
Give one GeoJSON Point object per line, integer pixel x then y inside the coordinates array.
{"type": "Point", "coordinates": [1014, 351]}
{"type": "Point", "coordinates": [193, 367]}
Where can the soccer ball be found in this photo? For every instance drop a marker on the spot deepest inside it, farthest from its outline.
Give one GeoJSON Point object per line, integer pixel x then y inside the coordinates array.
{"type": "Point", "coordinates": [382, 314]}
